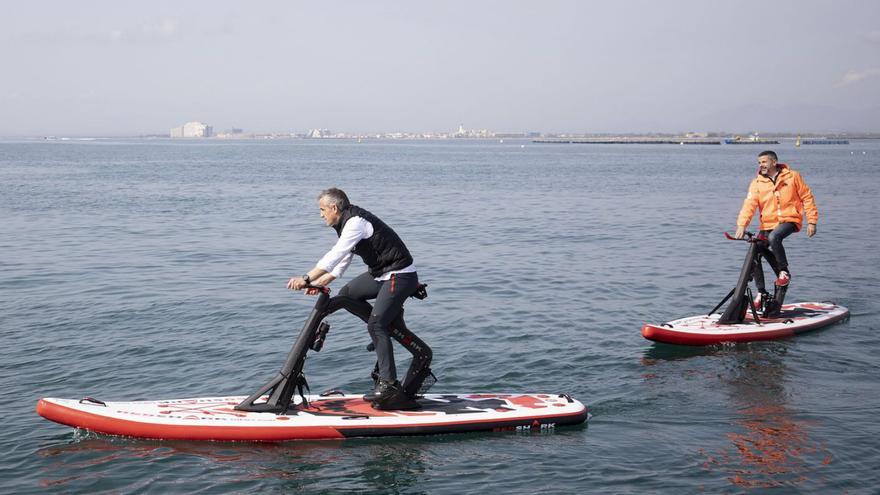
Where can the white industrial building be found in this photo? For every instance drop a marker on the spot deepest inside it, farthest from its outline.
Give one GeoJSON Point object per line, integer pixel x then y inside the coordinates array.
{"type": "Point", "coordinates": [192, 130]}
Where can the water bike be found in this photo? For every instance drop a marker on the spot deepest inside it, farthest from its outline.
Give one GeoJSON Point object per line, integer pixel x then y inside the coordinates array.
{"type": "Point", "coordinates": [284, 408]}
{"type": "Point", "coordinates": [749, 315]}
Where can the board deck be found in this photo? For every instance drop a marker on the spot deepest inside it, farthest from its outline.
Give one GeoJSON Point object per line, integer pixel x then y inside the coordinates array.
{"type": "Point", "coordinates": [337, 416]}
{"type": "Point", "coordinates": [704, 329]}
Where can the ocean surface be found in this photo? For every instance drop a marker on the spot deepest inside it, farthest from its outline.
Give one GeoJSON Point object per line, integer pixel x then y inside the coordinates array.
{"type": "Point", "coordinates": [149, 269]}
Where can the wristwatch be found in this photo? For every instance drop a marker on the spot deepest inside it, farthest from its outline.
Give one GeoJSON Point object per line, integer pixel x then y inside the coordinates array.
{"type": "Point", "coordinates": [306, 278]}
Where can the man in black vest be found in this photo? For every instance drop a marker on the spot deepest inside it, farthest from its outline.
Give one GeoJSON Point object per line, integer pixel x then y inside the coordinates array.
{"type": "Point", "coordinates": [390, 279]}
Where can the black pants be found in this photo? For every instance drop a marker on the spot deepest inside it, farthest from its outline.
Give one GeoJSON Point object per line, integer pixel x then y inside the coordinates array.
{"type": "Point", "coordinates": [776, 253]}
{"type": "Point", "coordinates": [390, 296]}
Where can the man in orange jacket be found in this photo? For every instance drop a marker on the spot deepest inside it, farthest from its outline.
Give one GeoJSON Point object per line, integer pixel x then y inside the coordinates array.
{"type": "Point", "coordinates": [783, 198]}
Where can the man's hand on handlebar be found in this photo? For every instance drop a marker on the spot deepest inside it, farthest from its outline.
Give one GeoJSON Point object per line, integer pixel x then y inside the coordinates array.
{"type": "Point", "coordinates": [296, 283]}
{"type": "Point", "coordinates": [313, 286]}
{"type": "Point", "coordinates": [740, 231]}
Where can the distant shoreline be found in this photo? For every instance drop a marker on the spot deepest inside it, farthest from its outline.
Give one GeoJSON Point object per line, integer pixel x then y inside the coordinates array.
{"type": "Point", "coordinates": [551, 138]}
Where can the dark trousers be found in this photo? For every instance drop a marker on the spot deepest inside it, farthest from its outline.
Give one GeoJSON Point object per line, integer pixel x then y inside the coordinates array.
{"type": "Point", "coordinates": [775, 252]}
{"type": "Point", "coordinates": [390, 296]}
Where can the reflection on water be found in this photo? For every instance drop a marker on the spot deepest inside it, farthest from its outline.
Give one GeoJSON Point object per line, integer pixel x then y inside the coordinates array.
{"type": "Point", "coordinates": [772, 449]}
{"type": "Point", "coordinates": [668, 352]}
{"type": "Point", "coordinates": [387, 466]}
{"type": "Point", "coordinates": [333, 465]}
{"type": "Point", "coordinates": [768, 445]}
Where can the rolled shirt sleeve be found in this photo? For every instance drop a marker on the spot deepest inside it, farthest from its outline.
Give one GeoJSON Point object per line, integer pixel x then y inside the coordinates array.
{"type": "Point", "coordinates": [337, 260]}
{"type": "Point", "coordinates": [339, 269]}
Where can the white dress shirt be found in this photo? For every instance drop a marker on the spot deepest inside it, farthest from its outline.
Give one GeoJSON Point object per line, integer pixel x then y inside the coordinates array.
{"type": "Point", "coordinates": [337, 260]}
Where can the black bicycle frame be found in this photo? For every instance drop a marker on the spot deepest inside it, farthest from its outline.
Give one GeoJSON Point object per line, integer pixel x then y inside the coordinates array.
{"type": "Point", "coordinates": [741, 299]}
{"type": "Point", "coordinates": [290, 379]}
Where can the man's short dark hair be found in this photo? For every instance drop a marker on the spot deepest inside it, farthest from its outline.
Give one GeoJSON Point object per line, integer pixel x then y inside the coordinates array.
{"type": "Point", "coordinates": [336, 197]}
{"type": "Point", "coordinates": [771, 154]}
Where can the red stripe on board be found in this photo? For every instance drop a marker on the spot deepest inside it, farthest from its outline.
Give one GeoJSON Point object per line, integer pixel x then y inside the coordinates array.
{"type": "Point", "coordinates": [115, 426]}
{"type": "Point", "coordinates": [670, 336]}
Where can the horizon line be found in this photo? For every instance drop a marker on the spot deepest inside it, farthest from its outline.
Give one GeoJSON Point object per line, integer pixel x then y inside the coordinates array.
{"type": "Point", "coordinates": [494, 134]}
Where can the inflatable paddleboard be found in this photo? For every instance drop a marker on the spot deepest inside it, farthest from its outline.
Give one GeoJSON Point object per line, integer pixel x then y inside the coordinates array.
{"type": "Point", "coordinates": [337, 416]}
{"type": "Point", "coordinates": [704, 330]}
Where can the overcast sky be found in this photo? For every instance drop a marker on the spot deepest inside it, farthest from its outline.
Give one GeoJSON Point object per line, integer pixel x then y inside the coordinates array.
{"type": "Point", "coordinates": [129, 68]}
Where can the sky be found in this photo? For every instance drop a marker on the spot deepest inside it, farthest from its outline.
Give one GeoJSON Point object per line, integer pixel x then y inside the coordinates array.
{"type": "Point", "coordinates": [114, 68]}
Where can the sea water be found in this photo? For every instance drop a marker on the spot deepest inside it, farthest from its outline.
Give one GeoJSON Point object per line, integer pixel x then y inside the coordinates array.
{"type": "Point", "coordinates": [145, 269]}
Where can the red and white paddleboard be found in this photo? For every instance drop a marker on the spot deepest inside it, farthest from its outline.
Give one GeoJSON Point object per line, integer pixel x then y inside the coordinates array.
{"type": "Point", "coordinates": [704, 329]}
{"type": "Point", "coordinates": [340, 416]}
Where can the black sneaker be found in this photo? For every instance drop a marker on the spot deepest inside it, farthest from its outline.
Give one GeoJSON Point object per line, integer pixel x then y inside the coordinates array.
{"type": "Point", "coordinates": [395, 401]}
{"type": "Point", "coordinates": [772, 309]}
{"type": "Point", "coordinates": [382, 391]}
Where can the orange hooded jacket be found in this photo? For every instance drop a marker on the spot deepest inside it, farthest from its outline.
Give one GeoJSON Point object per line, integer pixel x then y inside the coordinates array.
{"type": "Point", "coordinates": [785, 201]}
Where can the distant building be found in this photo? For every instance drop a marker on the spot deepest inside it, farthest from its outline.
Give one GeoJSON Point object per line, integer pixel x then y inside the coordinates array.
{"type": "Point", "coordinates": [192, 130]}
{"type": "Point", "coordinates": [319, 133]}
{"type": "Point", "coordinates": [472, 133]}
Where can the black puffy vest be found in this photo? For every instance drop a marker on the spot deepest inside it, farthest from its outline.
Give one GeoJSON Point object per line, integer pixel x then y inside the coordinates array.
{"type": "Point", "coordinates": [383, 251]}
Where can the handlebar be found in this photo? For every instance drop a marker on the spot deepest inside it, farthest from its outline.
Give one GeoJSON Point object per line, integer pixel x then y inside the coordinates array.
{"type": "Point", "coordinates": [314, 289]}
{"type": "Point", "coordinates": [748, 237]}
